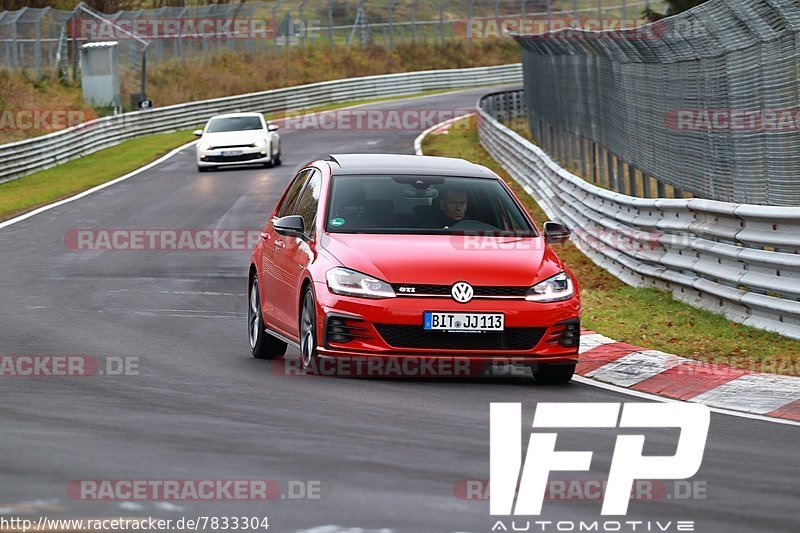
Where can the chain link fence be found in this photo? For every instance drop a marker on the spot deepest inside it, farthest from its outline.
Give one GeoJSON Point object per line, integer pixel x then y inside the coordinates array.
{"type": "Point", "coordinates": [704, 104]}
{"type": "Point", "coordinates": [41, 39]}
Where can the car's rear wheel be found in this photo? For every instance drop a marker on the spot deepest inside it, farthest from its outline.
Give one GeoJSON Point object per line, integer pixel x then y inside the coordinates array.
{"type": "Point", "coordinates": [554, 374]}
{"type": "Point", "coordinates": [262, 344]}
{"type": "Point", "coordinates": [308, 332]}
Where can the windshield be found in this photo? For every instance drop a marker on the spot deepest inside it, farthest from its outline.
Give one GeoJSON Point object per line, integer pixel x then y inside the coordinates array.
{"type": "Point", "coordinates": [423, 204]}
{"type": "Point", "coordinates": [234, 124]}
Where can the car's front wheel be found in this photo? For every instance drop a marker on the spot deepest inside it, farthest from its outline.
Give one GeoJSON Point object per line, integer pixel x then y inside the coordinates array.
{"type": "Point", "coordinates": [554, 374]}
{"type": "Point", "coordinates": [308, 332]}
{"type": "Point", "coordinates": [262, 344]}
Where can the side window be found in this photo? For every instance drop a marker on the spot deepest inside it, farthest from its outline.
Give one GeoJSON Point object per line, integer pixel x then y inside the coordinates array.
{"type": "Point", "coordinates": [287, 206]}
{"type": "Point", "coordinates": [309, 200]}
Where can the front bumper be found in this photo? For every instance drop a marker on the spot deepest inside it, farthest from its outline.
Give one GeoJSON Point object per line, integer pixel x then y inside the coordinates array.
{"type": "Point", "coordinates": [240, 156]}
{"type": "Point", "coordinates": [392, 328]}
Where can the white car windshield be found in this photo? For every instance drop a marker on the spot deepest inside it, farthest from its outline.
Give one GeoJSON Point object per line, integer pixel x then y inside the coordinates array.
{"type": "Point", "coordinates": [234, 124]}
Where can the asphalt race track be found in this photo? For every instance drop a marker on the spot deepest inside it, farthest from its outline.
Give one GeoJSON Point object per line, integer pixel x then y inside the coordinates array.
{"type": "Point", "coordinates": [389, 453]}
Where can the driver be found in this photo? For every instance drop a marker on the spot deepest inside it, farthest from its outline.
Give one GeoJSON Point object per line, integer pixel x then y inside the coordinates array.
{"type": "Point", "coordinates": [453, 206]}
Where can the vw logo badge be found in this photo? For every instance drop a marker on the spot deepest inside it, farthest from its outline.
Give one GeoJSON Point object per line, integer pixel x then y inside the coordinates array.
{"type": "Point", "coordinates": [462, 292]}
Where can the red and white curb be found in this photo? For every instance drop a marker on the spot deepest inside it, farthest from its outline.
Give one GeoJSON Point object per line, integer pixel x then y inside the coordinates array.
{"type": "Point", "coordinates": [663, 374]}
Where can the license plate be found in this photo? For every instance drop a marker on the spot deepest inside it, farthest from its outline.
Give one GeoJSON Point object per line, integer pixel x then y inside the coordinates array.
{"type": "Point", "coordinates": [231, 152]}
{"type": "Point", "coordinates": [463, 321]}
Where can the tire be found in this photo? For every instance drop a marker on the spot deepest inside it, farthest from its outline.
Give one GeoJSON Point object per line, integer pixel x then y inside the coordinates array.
{"type": "Point", "coordinates": [262, 344]}
{"type": "Point", "coordinates": [308, 332]}
{"type": "Point", "coordinates": [277, 161]}
{"type": "Point", "coordinates": [202, 169]}
{"type": "Point", "coordinates": [270, 163]}
{"type": "Point", "coordinates": [555, 374]}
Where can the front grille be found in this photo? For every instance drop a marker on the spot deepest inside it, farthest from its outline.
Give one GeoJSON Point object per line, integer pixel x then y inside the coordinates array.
{"type": "Point", "coordinates": [486, 291]}
{"type": "Point", "coordinates": [401, 336]}
{"type": "Point", "coordinates": [228, 146]}
{"type": "Point", "coordinates": [231, 158]}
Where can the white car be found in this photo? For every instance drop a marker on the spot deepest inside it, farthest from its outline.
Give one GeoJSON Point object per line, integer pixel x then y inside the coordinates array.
{"type": "Point", "coordinates": [238, 139]}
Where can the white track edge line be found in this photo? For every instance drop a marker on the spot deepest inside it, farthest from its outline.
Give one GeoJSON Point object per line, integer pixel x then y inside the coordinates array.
{"type": "Point", "coordinates": [421, 136]}
{"type": "Point", "coordinates": [657, 398]}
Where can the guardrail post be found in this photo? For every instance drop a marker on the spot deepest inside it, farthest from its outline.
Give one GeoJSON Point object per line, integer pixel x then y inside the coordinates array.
{"type": "Point", "coordinates": [612, 173]}
{"type": "Point", "coordinates": [646, 189]}
{"type": "Point", "coordinates": [632, 181]}
{"type": "Point", "coordinates": [582, 155]}
{"type": "Point", "coordinates": [662, 190]}
{"type": "Point", "coordinates": [621, 165]}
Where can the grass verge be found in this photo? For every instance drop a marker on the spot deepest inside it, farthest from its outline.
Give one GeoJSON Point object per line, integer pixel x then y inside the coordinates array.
{"type": "Point", "coordinates": [642, 317]}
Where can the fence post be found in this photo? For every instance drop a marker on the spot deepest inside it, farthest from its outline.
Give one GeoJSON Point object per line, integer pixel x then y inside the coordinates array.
{"type": "Point", "coordinates": [330, 22]}
{"type": "Point", "coordinates": [442, 7]}
{"type": "Point", "coordinates": [391, 24]}
{"type": "Point", "coordinates": [300, 10]}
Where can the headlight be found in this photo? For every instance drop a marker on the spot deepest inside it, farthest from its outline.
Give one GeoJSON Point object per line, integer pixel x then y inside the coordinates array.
{"type": "Point", "coordinates": [554, 289]}
{"type": "Point", "coordinates": [351, 283]}
{"type": "Point", "coordinates": [260, 143]}
{"type": "Point", "coordinates": [204, 146]}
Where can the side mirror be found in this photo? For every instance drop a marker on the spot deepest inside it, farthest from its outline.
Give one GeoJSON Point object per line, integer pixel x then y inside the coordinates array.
{"type": "Point", "coordinates": [290, 226]}
{"type": "Point", "coordinates": [556, 233]}
{"type": "Point", "coordinates": [272, 127]}
{"type": "Point", "coordinates": [198, 133]}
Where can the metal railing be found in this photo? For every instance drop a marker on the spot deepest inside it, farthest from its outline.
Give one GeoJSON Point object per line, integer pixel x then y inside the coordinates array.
{"type": "Point", "coordinates": [706, 102]}
{"type": "Point", "coordinates": [739, 260]}
{"type": "Point", "coordinates": [23, 157]}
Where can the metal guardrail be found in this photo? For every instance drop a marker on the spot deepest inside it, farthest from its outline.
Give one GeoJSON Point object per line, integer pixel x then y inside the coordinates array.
{"type": "Point", "coordinates": [739, 260]}
{"type": "Point", "coordinates": [23, 157]}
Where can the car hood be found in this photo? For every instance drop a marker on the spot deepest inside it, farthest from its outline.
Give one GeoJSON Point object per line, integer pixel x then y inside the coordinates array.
{"type": "Point", "coordinates": [445, 259]}
{"type": "Point", "coordinates": [233, 137]}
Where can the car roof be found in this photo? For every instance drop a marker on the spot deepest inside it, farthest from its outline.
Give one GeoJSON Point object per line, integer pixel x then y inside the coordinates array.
{"type": "Point", "coordinates": [406, 164]}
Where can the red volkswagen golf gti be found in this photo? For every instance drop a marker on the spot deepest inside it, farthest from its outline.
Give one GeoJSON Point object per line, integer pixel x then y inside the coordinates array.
{"type": "Point", "coordinates": [401, 256]}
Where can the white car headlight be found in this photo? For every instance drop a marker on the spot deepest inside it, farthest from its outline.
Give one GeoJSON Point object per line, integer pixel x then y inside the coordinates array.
{"type": "Point", "coordinates": [204, 146]}
{"type": "Point", "coordinates": [555, 289]}
{"type": "Point", "coordinates": [260, 143]}
{"type": "Point", "coordinates": [351, 283]}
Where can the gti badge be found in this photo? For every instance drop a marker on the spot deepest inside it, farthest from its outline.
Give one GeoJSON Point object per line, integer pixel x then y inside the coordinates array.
{"type": "Point", "coordinates": [408, 289]}
{"type": "Point", "coordinates": [462, 292]}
